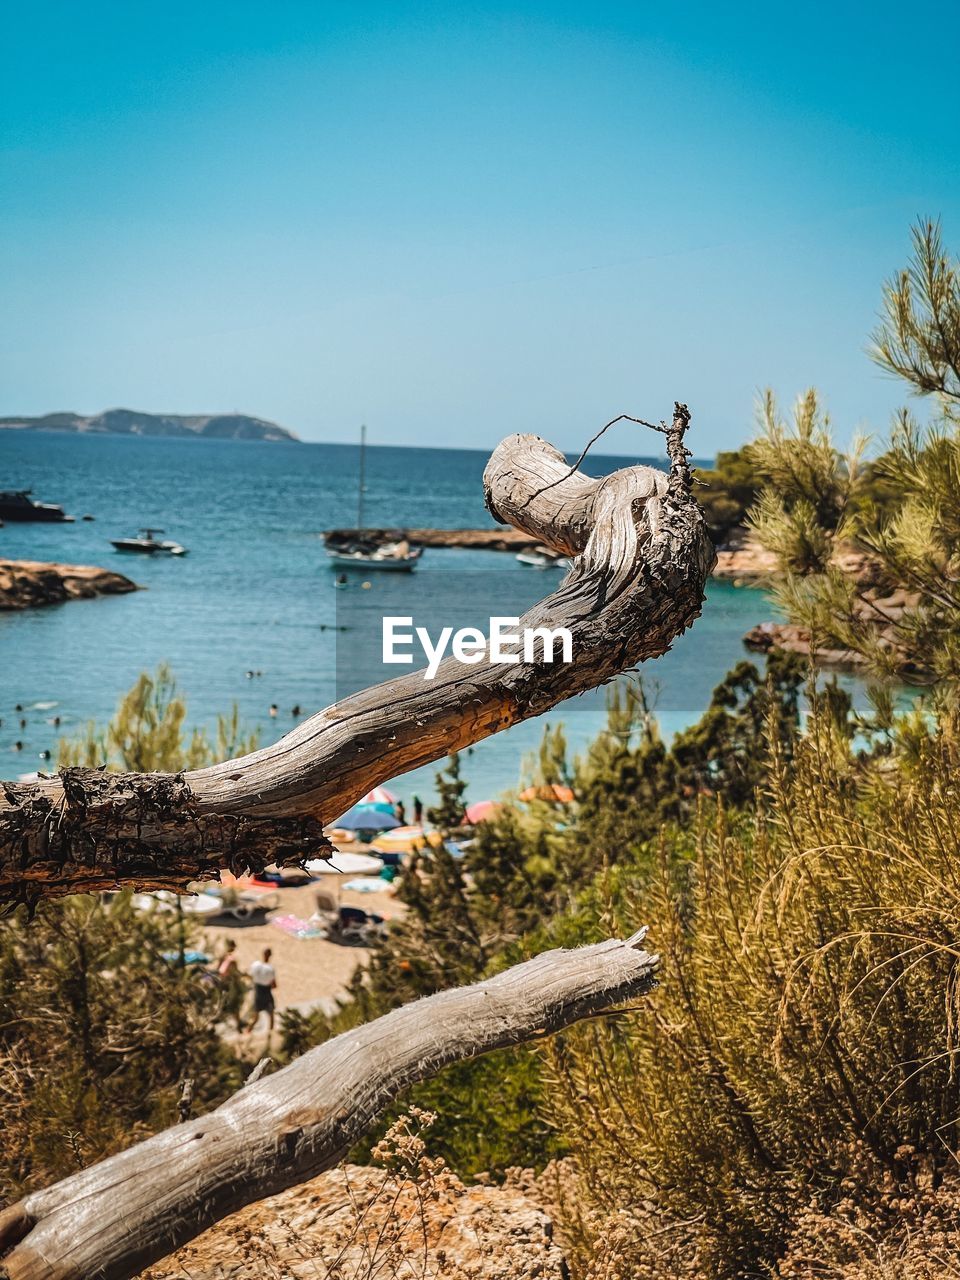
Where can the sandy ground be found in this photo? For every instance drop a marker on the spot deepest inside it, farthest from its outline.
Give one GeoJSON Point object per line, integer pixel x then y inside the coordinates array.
{"type": "Point", "coordinates": [310, 971]}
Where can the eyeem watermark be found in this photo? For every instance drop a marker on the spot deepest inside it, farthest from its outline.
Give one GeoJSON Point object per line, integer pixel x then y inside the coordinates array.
{"type": "Point", "coordinates": [469, 645]}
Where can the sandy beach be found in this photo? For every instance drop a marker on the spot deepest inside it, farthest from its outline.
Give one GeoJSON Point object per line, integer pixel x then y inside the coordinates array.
{"type": "Point", "coordinates": [311, 972]}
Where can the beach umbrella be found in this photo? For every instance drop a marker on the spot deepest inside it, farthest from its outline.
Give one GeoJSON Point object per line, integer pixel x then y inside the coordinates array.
{"type": "Point", "coordinates": [379, 795]}
{"type": "Point", "coordinates": [364, 817]}
{"type": "Point", "coordinates": [551, 791]}
{"type": "Point", "coordinates": [345, 864]}
{"type": "Point", "coordinates": [482, 810]}
{"type": "Point", "coordinates": [405, 840]}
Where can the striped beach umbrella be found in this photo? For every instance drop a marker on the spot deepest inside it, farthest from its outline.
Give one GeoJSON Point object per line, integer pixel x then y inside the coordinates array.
{"type": "Point", "coordinates": [379, 795]}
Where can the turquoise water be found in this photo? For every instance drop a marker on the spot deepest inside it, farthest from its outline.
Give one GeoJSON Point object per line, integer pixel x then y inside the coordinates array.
{"type": "Point", "coordinates": [255, 592]}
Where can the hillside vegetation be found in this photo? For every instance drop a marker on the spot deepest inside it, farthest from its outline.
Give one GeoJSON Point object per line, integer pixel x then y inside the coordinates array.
{"type": "Point", "coordinates": [134, 422]}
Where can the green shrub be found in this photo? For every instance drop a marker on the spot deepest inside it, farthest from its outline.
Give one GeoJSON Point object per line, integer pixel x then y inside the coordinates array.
{"type": "Point", "coordinates": [98, 1032]}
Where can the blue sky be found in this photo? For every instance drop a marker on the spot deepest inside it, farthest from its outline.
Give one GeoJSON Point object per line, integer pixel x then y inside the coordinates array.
{"type": "Point", "coordinates": [454, 221]}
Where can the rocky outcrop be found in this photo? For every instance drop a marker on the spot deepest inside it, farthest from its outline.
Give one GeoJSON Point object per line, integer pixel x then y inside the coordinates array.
{"type": "Point", "coordinates": [744, 560]}
{"type": "Point", "coordinates": [27, 583]}
{"type": "Point", "coordinates": [786, 637]}
{"type": "Point", "coordinates": [494, 539]}
{"type": "Point", "coordinates": [357, 1222]}
{"type": "Point", "coordinates": [749, 563]}
{"type": "Point", "coordinates": [881, 614]}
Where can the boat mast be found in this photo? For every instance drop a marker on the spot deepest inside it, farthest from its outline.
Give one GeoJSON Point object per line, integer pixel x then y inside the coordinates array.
{"type": "Point", "coordinates": [363, 447]}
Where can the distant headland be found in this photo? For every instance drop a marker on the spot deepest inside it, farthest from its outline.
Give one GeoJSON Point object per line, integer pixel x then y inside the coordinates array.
{"type": "Point", "coordinates": [133, 422]}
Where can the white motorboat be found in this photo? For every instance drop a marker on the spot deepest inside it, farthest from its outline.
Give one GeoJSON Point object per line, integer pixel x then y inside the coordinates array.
{"type": "Point", "coordinates": [536, 559]}
{"type": "Point", "coordinates": [147, 545]}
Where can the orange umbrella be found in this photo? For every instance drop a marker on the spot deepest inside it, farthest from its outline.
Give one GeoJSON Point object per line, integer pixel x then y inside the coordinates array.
{"type": "Point", "coordinates": [551, 791]}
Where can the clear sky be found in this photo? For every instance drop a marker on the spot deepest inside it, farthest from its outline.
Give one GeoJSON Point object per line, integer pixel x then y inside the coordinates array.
{"type": "Point", "coordinates": [452, 221]}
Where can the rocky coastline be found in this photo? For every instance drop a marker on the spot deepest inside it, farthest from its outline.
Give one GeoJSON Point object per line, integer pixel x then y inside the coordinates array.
{"type": "Point", "coordinates": [27, 584]}
{"type": "Point", "coordinates": [741, 560]}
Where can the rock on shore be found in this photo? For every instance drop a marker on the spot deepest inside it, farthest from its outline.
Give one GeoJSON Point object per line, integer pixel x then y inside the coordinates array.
{"type": "Point", "coordinates": [347, 1222]}
{"type": "Point", "coordinates": [27, 583]}
{"type": "Point", "coordinates": [786, 637]}
{"type": "Point", "coordinates": [880, 613]}
{"type": "Point", "coordinates": [745, 560]}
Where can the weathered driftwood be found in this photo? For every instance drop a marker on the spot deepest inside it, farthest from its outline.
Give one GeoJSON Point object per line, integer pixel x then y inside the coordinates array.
{"type": "Point", "coordinates": [115, 1218]}
{"type": "Point", "coordinates": [641, 559]}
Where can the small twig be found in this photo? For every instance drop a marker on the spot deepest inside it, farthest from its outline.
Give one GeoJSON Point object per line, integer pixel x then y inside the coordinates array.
{"type": "Point", "coordinates": [622, 417]}
{"type": "Point", "coordinates": [185, 1105]}
{"type": "Point", "coordinates": [677, 451]}
{"type": "Point", "coordinates": [258, 1071]}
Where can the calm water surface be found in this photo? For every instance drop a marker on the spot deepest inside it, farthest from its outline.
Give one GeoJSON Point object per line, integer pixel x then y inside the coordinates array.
{"type": "Point", "coordinates": [255, 592]}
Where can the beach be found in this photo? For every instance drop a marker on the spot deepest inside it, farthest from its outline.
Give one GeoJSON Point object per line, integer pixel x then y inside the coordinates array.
{"type": "Point", "coordinates": [311, 972]}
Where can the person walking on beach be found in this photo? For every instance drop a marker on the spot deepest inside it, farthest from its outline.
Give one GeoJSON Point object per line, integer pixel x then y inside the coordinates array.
{"type": "Point", "coordinates": [231, 984]}
{"type": "Point", "coordinates": [264, 984]}
{"type": "Point", "coordinates": [401, 813]}
{"type": "Point", "coordinates": [417, 811]}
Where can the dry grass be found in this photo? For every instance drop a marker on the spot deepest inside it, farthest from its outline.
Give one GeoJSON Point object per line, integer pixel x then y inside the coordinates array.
{"type": "Point", "coordinates": [406, 1218]}
{"type": "Point", "coordinates": [798, 1063]}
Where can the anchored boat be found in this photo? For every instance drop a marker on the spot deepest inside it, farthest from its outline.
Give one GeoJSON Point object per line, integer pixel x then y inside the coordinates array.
{"type": "Point", "coordinates": [147, 545]}
{"type": "Point", "coordinates": [16, 504]}
{"type": "Point", "coordinates": [367, 553]}
{"type": "Point", "coordinates": [542, 559]}
{"type": "Point", "coordinates": [398, 556]}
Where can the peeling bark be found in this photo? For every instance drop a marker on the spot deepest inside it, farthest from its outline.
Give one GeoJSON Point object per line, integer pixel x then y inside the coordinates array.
{"type": "Point", "coordinates": [106, 829]}
{"type": "Point", "coordinates": [641, 557]}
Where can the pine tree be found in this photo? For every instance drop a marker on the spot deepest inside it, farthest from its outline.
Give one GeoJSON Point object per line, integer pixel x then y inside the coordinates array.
{"type": "Point", "coordinates": [902, 510]}
{"type": "Point", "coordinates": [919, 336]}
{"type": "Point", "coordinates": [449, 812]}
{"type": "Point", "coordinates": [147, 733]}
{"type": "Point", "coordinates": [726, 493]}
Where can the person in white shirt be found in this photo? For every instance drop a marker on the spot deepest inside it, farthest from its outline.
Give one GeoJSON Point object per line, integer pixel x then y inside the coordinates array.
{"type": "Point", "coordinates": [264, 978]}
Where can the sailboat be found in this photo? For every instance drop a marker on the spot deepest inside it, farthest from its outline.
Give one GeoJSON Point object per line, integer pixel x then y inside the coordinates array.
{"type": "Point", "coordinates": [367, 551]}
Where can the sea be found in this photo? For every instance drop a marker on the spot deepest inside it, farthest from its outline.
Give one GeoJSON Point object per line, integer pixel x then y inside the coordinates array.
{"type": "Point", "coordinates": [252, 615]}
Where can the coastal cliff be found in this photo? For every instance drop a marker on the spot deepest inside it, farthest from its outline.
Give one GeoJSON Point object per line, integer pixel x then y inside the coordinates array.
{"type": "Point", "coordinates": [25, 584]}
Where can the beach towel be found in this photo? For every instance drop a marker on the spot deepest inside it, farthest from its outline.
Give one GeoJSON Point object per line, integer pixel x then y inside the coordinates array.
{"type": "Point", "coordinates": [365, 884]}
{"type": "Point", "coordinates": [298, 928]}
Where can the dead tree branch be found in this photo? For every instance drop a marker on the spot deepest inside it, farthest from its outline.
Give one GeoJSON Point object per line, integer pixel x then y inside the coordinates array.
{"type": "Point", "coordinates": [641, 557]}
{"type": "Point", "coordinates": [115, 1218]}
